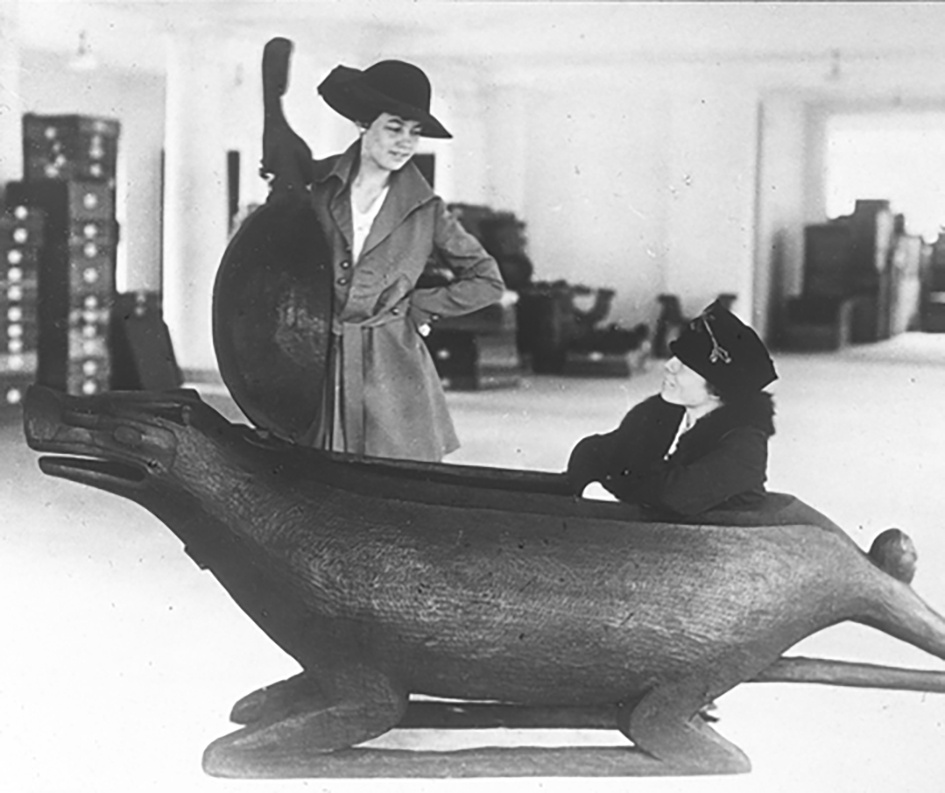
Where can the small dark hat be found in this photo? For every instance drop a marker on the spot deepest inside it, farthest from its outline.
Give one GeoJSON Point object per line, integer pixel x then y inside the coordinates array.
{"type": "Point", "coordinates": [725, 351]}
{"type": "Point", "coordinates": [395, 87]}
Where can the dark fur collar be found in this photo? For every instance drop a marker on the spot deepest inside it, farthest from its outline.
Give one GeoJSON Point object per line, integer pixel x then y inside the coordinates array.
{"type": "Point", "coordinates": [751, 410]}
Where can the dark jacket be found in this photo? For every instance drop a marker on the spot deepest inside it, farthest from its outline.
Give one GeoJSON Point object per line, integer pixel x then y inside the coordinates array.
{"type": "Point", "coordinates": [392, 403]}
{"type": "Point", "coordinates": [718, 464]}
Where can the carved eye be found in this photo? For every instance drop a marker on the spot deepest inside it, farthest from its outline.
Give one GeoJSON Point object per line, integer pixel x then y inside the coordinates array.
{"type": "Point", "coordinates": [128, 436]}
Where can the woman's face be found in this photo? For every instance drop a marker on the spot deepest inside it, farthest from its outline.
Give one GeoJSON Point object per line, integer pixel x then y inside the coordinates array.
{"type": "Point", "coordinates": [683, 386]}
{"type": "Point", "coordinates": [390, 141]}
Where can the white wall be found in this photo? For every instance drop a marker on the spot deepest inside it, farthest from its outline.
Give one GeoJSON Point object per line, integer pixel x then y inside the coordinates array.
{"type": "Point", "coordinates": [596, 186]}
{"type": "Point", "coordinates": [712, 144]}
{"type": "Point", "coordinates": [11, 97]}
{"type": "Point", "coordinates": [641, 180]}
{"type": "Point", "coordinates": [690, 172]}
{"type": "Point", "coordinates": [136, 99]}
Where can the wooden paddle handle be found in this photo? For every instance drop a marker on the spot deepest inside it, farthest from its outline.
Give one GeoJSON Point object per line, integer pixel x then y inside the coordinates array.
{"type": "Point", "coordinates": [286, 158]}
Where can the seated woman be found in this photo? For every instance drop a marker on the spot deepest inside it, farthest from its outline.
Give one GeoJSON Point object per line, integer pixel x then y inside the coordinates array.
{"type": "Point", "coordinates": [702, 442]}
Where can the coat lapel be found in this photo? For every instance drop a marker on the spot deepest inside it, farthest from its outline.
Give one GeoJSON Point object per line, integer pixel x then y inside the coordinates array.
{"type": "Point", "coordinates": [339, 203]}
{"type": "Point", "coordinates": [408, 190]}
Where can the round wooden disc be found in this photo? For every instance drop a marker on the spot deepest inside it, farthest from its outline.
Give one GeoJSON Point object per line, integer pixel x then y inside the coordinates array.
{"type": "Point", "coordinates": [272, 317]}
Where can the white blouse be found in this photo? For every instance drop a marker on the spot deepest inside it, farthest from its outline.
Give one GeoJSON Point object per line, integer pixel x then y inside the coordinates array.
{"type": "Point", "coordinates": [362, 221]}
{"type": "Point", "coordinates": [684, 426]}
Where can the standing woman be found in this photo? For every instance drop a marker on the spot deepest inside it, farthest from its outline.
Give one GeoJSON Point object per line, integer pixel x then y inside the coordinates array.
{"type": "Point", "coordinates": [702, 442]}
{"type": "Point", "coordinates": [383, 222]}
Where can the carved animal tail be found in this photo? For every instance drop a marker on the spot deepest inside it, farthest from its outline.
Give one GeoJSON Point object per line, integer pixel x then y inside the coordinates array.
{"type": "Point", "coordinates": [892, 606]}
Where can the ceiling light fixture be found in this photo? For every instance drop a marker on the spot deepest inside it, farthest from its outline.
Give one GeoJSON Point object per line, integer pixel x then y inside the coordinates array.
{"type": "Point", "coordinates": [835, 74]}
{"type": "Point", "coordinates": [84, 59]}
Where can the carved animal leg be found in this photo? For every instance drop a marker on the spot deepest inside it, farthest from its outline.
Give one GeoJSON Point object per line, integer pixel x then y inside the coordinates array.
{"type": "Point", "coordinates": [667, 724]}
{"type": "Point", "coordinates": [311, 713]}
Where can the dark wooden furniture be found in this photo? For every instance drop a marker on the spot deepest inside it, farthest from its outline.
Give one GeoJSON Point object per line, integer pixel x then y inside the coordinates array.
{"type": "Point", "coordinates": [141, 351]}
{"type": "Point", "coordinates": [561, 331]}
{"type": "Point", "coordinates": [860, 282]}
{"type": "Point", "coordinates": [933, 289]}
{"type": "Point", "coordinates": [477, 351]}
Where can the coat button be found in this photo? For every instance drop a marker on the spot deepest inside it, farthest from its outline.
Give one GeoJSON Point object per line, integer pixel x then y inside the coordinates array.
{"type": "Point", "coordinates": [342, 281]}
{"type": "Point", "coordinates": [345, 264]}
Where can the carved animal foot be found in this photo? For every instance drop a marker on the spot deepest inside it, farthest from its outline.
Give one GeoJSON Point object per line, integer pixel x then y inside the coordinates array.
{"type": "Point", "coordinates": [669, 723]}
{"type": "Point", "coordinates": [275, 700]}
{"type": "Point", "coordinates": [310, 714]}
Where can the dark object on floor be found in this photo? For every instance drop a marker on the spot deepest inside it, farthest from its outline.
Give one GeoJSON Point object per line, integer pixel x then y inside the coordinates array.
{"type": "Point", "coordinates": [141, 350]}
{"type": "Point", "coordinates": [669, 324]}
{"type": "Point", "coordinates": [865, 256]}
{"type": "Point", "coordinates": [560, 336]}
{"type": "Point", "coordinates": [818, 323]}
{"type": "Point", "coordinates": [478, 350]}
{"type": "Point", "coordinates": [932, 303]}
{"type": "Point", "coordinates": [384, 579]}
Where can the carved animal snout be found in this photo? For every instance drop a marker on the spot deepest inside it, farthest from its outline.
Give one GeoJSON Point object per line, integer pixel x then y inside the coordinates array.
{"type": "Point", "coordinates": [120, 428]}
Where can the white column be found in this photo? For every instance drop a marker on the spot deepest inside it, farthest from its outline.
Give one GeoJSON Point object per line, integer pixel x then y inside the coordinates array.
{"type": "Point", "coordinates": [195, 210]}
{"type": "Point", "coordinates": [11, 103]}
{"type": "Point", "coordinates": [712, 186]}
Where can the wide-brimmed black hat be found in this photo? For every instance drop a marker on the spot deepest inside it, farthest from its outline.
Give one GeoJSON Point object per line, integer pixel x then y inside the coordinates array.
{"type": "Point", "coordinates": [394, 87]}
{"type": "Point", "coordinates": [725, 351]}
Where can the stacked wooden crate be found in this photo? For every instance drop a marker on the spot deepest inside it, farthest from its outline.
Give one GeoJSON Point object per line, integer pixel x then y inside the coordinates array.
{"type": "Point", "coordinates": [21, 239]}
{"type": "Point", "coordinates": [69, 177]}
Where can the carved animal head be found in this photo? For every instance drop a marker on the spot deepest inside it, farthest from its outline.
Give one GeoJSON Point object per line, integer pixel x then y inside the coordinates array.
{"type": "Point", "coordinates": [181, 460]}
{"type": "Point", "coordinates": [130, 442]}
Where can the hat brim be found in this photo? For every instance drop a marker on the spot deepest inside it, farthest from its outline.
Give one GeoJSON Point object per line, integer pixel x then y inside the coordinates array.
{"type": "Point", "coordinates": [691, 353]}
{"type": "Point", "coordinates": [694, 350]}
{"type": "Point", "coordinates": [345, 92]}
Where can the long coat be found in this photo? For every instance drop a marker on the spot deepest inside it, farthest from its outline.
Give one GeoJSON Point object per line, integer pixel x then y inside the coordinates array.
{"type": "Point", "coordinates": [720, 463]}
{"type": "Point", "coordinates": [385, 398]}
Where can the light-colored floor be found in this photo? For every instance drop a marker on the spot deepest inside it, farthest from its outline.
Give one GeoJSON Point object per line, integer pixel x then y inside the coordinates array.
{"type": "Point", "coordinates": [122, 659]}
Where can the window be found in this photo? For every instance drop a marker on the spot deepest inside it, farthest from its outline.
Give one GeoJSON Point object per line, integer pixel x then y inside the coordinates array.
{"type": "Point", "coordinates": [897, 156]}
